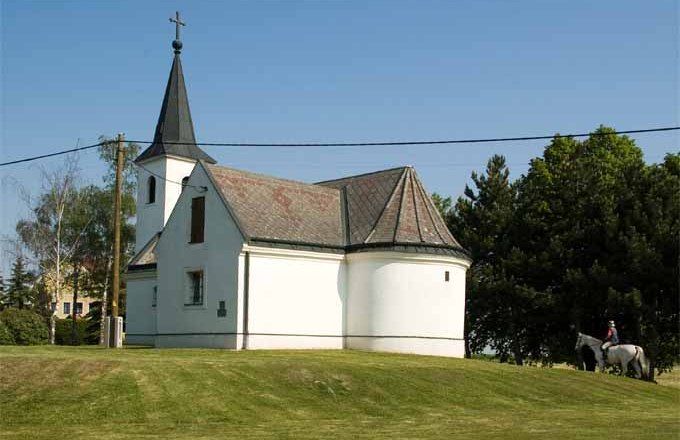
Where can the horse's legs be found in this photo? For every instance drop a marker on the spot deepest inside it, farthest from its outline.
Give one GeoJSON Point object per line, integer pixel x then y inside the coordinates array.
{"type": "Point", "coordinates": [638, 371]}
{"type": "Point", "coordinates": [624, 367]}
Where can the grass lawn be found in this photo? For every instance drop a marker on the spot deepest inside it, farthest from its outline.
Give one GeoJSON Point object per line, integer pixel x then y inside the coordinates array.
{"type": "Point", "coordinates": [73, 392]}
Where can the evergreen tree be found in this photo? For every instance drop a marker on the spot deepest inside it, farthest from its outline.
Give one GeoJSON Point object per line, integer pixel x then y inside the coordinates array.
{"type": "Point", "coordinates": [2, 292]}
{"type": "Point", "coordinates": [497, 302]}
{"type": "Point", "coordinates": [19, 291]}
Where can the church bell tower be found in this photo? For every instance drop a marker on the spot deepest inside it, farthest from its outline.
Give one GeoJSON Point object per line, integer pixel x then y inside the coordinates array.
{"type": "Point", "coordinates": [163, 167]}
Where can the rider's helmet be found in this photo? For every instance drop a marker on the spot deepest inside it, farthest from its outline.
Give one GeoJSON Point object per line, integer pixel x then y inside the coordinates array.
{"type": "Point", "coordinates": [611, 324]}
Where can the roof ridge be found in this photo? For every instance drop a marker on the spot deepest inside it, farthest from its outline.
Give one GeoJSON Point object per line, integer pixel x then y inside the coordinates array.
{"type": "Point", "coordinates": [400, 211]}
{"type": "Point", "coordinates": [387, 203]}
{"type": "Point", "coordinates": [415, 205]}
{"type": "Point", "coordinates": [427, 209]}
{"type": "Point", "coordinates": [429, 206]}
{"type": "Point", "coordinates": [269, 176]}
{"type": "Point", "coordinates": [362, 175]}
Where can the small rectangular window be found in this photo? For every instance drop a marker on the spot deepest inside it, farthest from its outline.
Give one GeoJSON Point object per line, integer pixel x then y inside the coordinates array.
{"type": "Point", "coordinates": [197, 219]}
{"type": "Point", "coordinates": [79, 308]}
{"type": "Point", "coordinates": [54, 307]}
{"type": "Point", "coordinates": [222, 310]}
{"type": "Point", "coordinates": [67, 308]}
{"type": "Point", "coordinates": [195, 293]}
{"type": "Point", "coordinates": [154, 297]}
{"type": "Point", "coordinates": [446, 276]}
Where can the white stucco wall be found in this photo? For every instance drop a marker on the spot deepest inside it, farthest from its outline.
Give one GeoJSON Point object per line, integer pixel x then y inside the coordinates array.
{"type": "Point", "coordinates": [295, 299]}
{"type": "Point", "coordinates": [151, 217]}
{"type": "Point", "coordinates": [179, 325]}
{"type": "Point", "coordinates": [140, 315]}
{"type": "Point", "coordinates": [400, 302]}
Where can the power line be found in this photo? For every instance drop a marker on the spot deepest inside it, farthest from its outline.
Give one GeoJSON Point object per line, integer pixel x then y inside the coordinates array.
{"type": "Point", "coordinates": [359, 144]}
{"type": "Point", "coordinates": [72, 150]}
{"type": "Point", "coordinates": [396, 143]}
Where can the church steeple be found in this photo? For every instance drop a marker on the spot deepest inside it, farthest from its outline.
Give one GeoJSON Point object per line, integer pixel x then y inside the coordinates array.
{"type": "Point", "coordinates": [175, 131]}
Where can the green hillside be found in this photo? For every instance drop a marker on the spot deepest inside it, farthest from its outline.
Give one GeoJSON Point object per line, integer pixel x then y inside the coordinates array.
{"type": "Point", "coordinates": [63, 392]}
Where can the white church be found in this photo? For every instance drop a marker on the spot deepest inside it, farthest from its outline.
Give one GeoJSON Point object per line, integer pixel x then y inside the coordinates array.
{"type": "Point", "coordinates": [232, 259]}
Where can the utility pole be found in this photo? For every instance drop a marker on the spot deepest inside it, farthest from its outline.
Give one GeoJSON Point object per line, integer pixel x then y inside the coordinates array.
{"type": "Point", "coordinates": [115, 324]}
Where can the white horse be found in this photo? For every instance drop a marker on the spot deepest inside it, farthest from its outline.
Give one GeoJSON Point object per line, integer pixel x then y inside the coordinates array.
{"type": "Point", "coordinates": [617, 354]}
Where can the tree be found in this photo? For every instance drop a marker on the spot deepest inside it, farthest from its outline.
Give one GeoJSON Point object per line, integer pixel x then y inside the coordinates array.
{"type": "Point", "coordinates": [19, 290]}
{"type": "Point", "coordinates": [100, 242]}
{"type": "Point", "coordinates": [43, 234]}
{"type": "Point", "coordinates": [579, 222]}
{"type": "Point", "coordinates": [2, 292]}
{"type": "Point", "coordinates": [497, 302]}
{"type": "Point", "coordinates": [653, 255]}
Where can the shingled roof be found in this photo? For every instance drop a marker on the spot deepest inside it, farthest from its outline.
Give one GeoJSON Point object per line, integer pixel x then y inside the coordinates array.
{"type": "Point", "coordinates": [387, 209]}
{"type": "Point", "coordinates": [391, 207]}
{"type": "Point", "coordinates": [278, 210]}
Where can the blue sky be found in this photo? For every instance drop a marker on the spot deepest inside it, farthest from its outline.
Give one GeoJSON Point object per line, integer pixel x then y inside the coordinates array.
{"type": "Point", "coordinates": [313, 71]}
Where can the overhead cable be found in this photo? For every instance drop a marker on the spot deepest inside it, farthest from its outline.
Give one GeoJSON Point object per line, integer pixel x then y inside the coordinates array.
{"type": "Point", "coordinates": [396, 143]}
{"type": "Point", "coordinates": [360, 144]}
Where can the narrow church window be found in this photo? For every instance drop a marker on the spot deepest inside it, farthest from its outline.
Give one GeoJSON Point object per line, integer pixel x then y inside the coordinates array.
{"type": "Point", "coordinates": [446, 276]}
{"type": "Point", "coordinates": [154, 298]}
{"type": "Point", "coordinates": [151, 186]}
{"type": "Point", "coordinates": [185, 180]}
{"type": "Point", "coordinates": [197, 219]}
{"type": "Point", "coordinates": [195, 294]}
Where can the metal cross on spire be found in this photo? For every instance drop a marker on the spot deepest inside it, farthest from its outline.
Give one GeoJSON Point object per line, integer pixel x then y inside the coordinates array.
{"type": "Point", "coordinates": [177, 44]}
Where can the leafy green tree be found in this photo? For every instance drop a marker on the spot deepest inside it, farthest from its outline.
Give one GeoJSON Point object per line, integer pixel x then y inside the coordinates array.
{"type": "Point", "coordinates": [652, 246]}
{"type": "Point", "coordinates": [576, 212]}
{"type": "Point", "coordinates": [98, 238]}
{"type": "Point", "coordinates": [43, 233]}
{"type": "Point", "coordinates": [71, 228]}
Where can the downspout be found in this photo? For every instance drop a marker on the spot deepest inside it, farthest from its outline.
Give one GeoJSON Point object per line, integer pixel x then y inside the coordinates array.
{"type": "Point", "coordinates": [246, 291]}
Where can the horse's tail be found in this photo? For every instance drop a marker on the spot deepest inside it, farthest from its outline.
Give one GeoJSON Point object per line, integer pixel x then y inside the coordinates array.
{"type": "Point", "coordinates": [644, 363]}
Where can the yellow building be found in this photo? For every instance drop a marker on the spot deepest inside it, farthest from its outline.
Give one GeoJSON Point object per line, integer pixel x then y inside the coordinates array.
{"type": "Point", "coordinates": [63, 305]}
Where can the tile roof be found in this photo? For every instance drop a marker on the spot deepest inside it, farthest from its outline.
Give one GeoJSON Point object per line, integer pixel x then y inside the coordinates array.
{"type": "Point", "coordinates": [268, 208]}
{"type": "Point", "coordinates": [391, 207]}
{"type": "Point", "coordinates": [383, 209]}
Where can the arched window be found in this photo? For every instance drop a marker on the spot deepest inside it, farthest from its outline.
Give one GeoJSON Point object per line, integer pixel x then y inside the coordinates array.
{"type": "Point", "coordinates": [184, 182]}
{"type": "Point", "coordinates": [151, 187]}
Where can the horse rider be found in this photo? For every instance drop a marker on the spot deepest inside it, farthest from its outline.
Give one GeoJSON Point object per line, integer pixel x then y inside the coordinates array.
{"type": "Point", "coordinates": [611, 339]}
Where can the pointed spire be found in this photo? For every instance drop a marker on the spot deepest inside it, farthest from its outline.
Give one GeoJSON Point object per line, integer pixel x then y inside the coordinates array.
{"type": "Point", "coordinates": [175, 130]}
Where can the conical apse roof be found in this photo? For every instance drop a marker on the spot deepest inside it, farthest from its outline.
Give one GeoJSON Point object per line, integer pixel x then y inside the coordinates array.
{"type": "Point", "coordinates": [391, 207]}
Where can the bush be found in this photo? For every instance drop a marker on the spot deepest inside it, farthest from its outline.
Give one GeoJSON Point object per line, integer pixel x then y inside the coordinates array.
{"type": "Point", "coordinates": [25, 326]}
{"type": "Point", "coordinates": [6, 337]}
{"type": "Point", "coordinates": [63, 335]}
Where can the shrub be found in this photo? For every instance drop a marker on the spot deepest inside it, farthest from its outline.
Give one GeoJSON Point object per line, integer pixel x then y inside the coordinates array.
{"type": "Point", "coordinates": [6, 337]}
{"type": "Point", "coordinates": [63, 335]}
{"type": "Point", "coordinates": [25, 326]}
